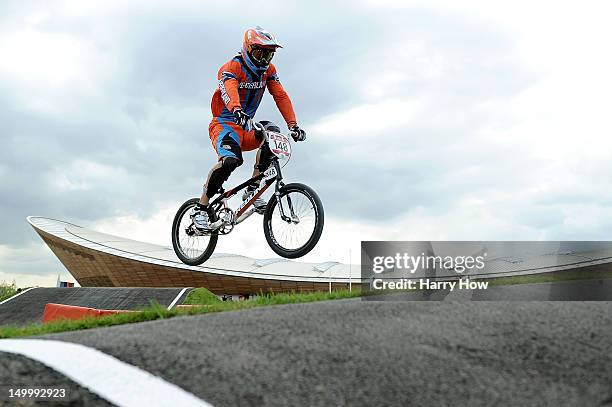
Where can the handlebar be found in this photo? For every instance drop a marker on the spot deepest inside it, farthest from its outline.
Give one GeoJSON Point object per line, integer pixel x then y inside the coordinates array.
{"type": "Point", "coordinates": [256, 125]}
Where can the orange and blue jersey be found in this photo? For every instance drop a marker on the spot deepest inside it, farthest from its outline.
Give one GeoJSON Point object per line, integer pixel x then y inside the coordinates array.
{"type": "Point", "coordinates": [242, 84]}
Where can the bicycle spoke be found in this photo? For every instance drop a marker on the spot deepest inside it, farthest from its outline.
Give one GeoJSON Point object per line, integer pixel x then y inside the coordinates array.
{"type": "Point", "coordinates": [292, 236]}
{"type": "Point", "coordinates": [191, 246]}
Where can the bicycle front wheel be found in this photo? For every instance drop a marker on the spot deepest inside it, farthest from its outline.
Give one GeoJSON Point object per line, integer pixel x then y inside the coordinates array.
{"type": "Point", "coordinates": [299, 230]}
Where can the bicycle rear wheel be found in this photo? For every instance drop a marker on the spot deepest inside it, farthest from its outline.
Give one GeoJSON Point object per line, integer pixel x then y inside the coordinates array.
{"type": "Point", "coordinates": [190, 246]}
{"type": "Point", "coordinates": [300, 231]}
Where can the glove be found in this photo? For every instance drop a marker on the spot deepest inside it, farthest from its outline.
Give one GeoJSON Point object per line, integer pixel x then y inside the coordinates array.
{"type": "Point", "coordinates": [241, 118]}
{"type": "Point", "coordinates": [297, 133]}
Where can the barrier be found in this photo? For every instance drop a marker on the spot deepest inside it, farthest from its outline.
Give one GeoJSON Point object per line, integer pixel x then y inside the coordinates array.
{"type": "Point", "coordinates": [54, 312]}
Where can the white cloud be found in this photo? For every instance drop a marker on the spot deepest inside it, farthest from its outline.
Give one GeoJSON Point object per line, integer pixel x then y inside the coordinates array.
{"type": "Point", "coordinates": [154, 229]}
{"type": "Point", "coordinates": [46, 71]}
{"type": "Point", "coordinates": [364, 120]}
{"type": "Point", "coordinates": [83, 175]}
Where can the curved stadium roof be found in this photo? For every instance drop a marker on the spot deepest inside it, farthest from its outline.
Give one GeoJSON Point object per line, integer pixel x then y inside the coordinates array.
{"type": "Point", "coordinates": [100, 259]}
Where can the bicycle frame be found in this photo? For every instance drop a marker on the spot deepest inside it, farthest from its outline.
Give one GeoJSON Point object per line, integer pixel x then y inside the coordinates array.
{"type": "Point", "coordinates": [269, 176]}
{"type": "Point", "coordinates": [218, 202]}
{"type": "Point", "coordinates": [240, 213]}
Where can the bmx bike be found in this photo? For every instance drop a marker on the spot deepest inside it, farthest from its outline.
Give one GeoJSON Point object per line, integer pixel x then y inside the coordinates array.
{"type": "Point", "coordinates": [292, 220]}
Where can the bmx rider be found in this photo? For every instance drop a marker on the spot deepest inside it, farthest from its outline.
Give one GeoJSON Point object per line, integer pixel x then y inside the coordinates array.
{"type": "Point", "coordinates": [242, 82]}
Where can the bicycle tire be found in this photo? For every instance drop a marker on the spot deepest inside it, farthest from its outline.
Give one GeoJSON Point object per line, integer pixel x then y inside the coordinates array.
{"type": "Point", "coordinates": [212, 243]}
{"type": "Point", "coordinates": [318, 226]}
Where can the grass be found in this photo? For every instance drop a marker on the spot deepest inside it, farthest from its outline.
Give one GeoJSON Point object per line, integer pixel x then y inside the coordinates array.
{"type": "Point", "coordinates": [156, 311]}
{"type": "Point", "coordinates": [7, 290]}
{"type": "Point", "coordinates": [201, 296]}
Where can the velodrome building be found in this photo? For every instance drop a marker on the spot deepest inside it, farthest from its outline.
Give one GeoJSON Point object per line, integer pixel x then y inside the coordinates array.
{"type": "Point", "coordinates": [101, 260]}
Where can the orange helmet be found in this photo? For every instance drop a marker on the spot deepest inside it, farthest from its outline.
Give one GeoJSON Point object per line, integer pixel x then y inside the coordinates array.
{"type": "Point", "coordinates": [259, 45]}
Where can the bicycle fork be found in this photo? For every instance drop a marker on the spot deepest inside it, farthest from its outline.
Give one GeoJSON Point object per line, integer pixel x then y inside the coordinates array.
{"type": "Point", "coordinates": [279, 185]}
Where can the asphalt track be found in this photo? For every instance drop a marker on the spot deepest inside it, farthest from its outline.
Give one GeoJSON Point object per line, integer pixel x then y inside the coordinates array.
{"type": "Point", "coordinates": [355, 352]}
{"type": "Point", "coordinates": [28, 307]}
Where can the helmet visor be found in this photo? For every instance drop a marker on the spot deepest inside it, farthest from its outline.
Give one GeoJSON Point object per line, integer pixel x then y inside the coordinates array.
{"type": "Point", "coordinates": [263, 55]}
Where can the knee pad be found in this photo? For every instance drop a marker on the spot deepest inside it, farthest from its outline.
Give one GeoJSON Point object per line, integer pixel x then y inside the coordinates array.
{"type": "Point", "coordinates": [229, 164]}
{"type": "Point", "coordinates": [221, 174]}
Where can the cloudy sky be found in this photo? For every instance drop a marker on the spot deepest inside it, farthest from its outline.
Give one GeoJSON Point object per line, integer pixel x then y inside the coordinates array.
{"type": "Point", "coordinates": [426, 120]}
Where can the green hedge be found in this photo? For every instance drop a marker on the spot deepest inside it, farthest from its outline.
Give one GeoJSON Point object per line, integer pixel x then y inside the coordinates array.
{"type": "Point", "coordinates": [7, 290]}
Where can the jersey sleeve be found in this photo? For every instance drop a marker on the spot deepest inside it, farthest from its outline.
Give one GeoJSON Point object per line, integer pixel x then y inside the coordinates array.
{"type": "Point", "coordinates": [281, 97]}
{"type": "Point", "coordinates": [228, 85]}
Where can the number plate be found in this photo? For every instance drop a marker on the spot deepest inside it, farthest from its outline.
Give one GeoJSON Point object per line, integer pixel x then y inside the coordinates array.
{"type": "Point", "coordinates": [279, 145]}
{"type": "Point", "coordinates": [270, 173]}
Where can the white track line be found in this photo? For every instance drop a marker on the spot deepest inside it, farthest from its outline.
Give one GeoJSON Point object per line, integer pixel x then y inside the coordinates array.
{"type": "Point", "coordinates": [17, 295]}
{"type": "Point", "coordinates": [110, 378]}
{"type": "Point", "coordinates": [177, 298]}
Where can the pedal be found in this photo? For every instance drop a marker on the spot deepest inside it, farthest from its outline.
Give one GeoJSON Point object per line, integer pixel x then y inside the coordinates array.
{"type": "Point", "coordinates": [217, 224]}
{"type": "Point", "coordinates": [260, 206]}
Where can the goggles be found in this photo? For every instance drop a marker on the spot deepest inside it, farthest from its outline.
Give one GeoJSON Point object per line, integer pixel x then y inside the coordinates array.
{"type": "Point", "coordinates": [263, 55]}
